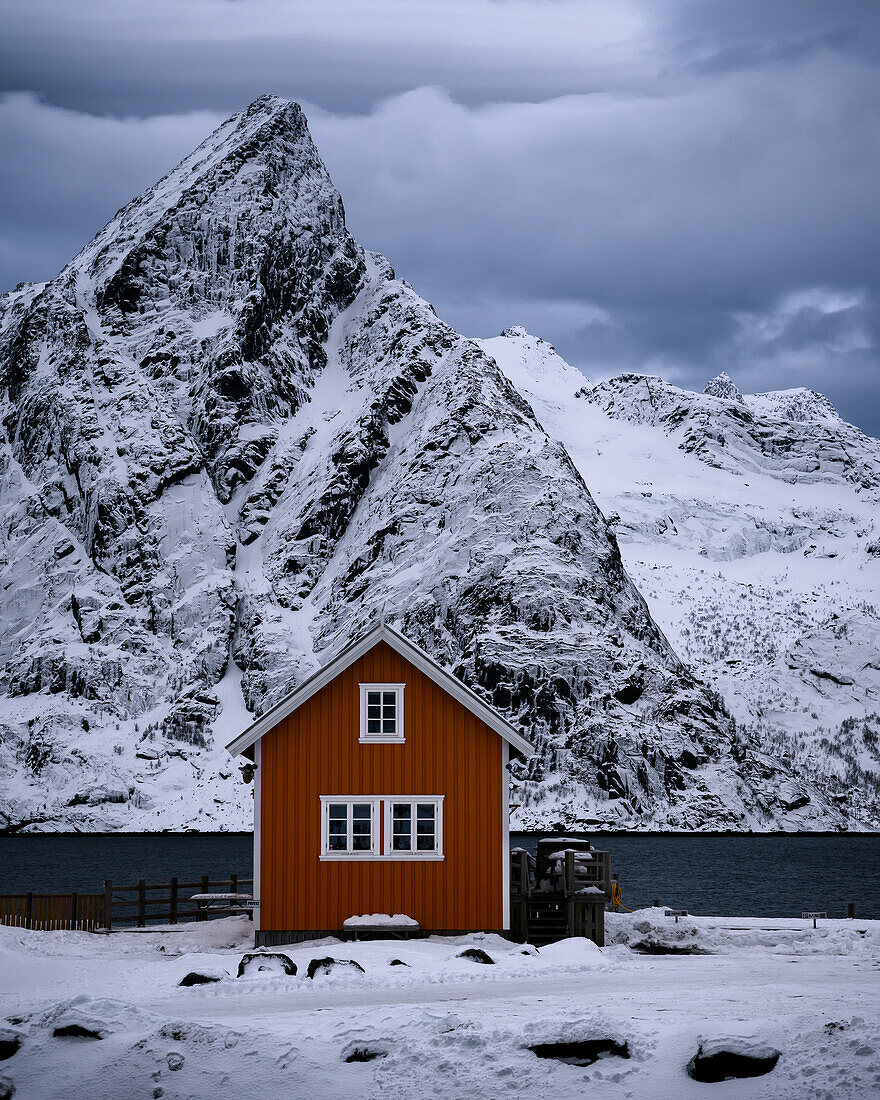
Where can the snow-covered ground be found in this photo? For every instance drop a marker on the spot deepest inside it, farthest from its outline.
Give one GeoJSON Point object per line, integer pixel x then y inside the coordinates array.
{"type": "Point", "coordinates": [442, 1025]}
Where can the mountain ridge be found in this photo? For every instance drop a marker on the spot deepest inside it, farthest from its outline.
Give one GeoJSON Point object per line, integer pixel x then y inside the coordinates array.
{"type": "Point", "coordinates": [232, 440]}
{"type": "Point", "coordinates": [763, 574]}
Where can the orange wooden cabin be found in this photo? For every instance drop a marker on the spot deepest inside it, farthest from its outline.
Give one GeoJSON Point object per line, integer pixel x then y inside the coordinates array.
{"type": "Point", "coordinates": [380, 787]}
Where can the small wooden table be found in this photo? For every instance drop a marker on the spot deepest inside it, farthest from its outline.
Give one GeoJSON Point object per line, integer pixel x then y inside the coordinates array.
{"type": "Point", "coordinates": [385, 931]}
{"type": "Point", "coordinates": [233, 903]}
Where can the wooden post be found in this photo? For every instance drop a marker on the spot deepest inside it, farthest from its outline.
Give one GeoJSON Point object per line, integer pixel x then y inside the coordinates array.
{"type": "Point", "coordinates": [108, 903]}
{"type": "Point", "coordinates": [656, 903]}
{"type": "Point", "coordinates": [172, 902]}
{"type": "Point", "coordinates": [851, 910]}
{"type": "Point", "coordinates": [142, 903]}
{"type": "Point", "coordinates": [74, 898]}
{"type": "Point", "coordinates": [29, 911]}
{"type": "Point", "coordinates": [568, 880]}
{"type": "Point", "coordinates": [206, 889]}
{"type": "Point", "coordinates": [233, 884]}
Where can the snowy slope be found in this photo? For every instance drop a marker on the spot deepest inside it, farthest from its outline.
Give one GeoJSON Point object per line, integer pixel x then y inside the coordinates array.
{"type": "Point", "coordinates": [751, 525]}
{"type": "Point", "coordinates": [231, 440]}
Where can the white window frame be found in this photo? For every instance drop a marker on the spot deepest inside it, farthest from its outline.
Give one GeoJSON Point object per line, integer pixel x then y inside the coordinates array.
{"type": "Point", "coordinates": [381, 814]}
{"type": "Point", "coordinates": [411, 800]}
{"type": "Point", "coordinates": [397, 738]}
{"type": "Point", "coordinates": [375, 817]}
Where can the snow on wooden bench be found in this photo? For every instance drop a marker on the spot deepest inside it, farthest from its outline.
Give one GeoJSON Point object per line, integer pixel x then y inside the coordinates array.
{"type": "Point", "coordinates": [380, 923]}
{"type": "Point", "coordinates": [240, 901]}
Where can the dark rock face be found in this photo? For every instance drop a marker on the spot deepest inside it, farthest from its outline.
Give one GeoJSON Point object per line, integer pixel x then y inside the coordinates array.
{"type": "Point", "coordinates": [328, 964]}
{"type": "Point", "coordinates": [10, 1043]}
{"type": "Point", "coordinates": [582, 1052]}
{"type": "Point", "coordinates": [269, 962]}
{"type": "Point", "coordinates": [76, 1031]}
{"type": "Point", "coordinates": [477, 955]}
{"type": "Point", "coordinates": [200, 977]}
{"type": "Point", "coordinates": [716, 1062]}
{"type": "Point", "coordinates": [364, 1054]}
{"type": "Point", "coordinates": [231, 441]}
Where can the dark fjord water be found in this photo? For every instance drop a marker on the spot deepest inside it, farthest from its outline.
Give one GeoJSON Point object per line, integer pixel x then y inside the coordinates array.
{"type": "Point", "coordinates": [765, 876]}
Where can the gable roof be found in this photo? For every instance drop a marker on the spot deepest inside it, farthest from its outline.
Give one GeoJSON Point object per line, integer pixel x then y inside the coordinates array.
{"type": "Point", "coordinates": [410, 652]}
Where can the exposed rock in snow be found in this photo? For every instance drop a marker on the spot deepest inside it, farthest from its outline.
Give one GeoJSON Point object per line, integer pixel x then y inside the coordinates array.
{"type": "Point", "coordinates": [722, 385]}
{"type": "Point", "coordinates": [232, 439]}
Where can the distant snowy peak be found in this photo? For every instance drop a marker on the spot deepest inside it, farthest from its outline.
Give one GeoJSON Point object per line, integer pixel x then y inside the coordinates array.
{"type": "Point", "coordinates": [799, 405]}
{"type": "Point", "coordinates": [248, 154]}
{"type": "Point", "coordinates": [722, 385]}
{"type": "Point", "coordinates": [792, 435]}
{"type": "Point", "coordinates": [534, 366]}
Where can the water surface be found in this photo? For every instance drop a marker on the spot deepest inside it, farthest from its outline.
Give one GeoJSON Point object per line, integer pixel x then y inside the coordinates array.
{"type": "Point", "coordinates": [764, 876]}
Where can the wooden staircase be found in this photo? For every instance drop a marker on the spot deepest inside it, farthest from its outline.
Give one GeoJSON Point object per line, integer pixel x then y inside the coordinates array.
{"type": "Point", "coordinates": [547, 920]}
{"type": "Point", "coordinates": [561, 891]}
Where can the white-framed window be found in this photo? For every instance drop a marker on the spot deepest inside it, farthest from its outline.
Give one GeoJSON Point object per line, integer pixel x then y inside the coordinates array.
{"type": "Point", "coordinates": [411, 827]}
{"type": "Point", "coordinates": [349, 827]}
{"type": "Point", "coordinates": [382, 713]}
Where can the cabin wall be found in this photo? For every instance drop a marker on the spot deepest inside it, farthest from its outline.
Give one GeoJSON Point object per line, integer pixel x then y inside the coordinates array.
{"type": "Point", "coordinates": [448, 751]}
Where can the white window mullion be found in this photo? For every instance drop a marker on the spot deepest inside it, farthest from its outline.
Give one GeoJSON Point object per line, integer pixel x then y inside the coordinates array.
{"type": "Point", "coordinates": [383, 713]}
{"type": "Point", "coordinates": [381, 823]}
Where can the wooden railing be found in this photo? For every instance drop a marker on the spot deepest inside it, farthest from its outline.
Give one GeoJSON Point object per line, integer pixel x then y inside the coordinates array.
{"type": "Point", "coordinates": [139, 904]}
{"type": "Point", "coordinates": [569, 872]}
{"type": "Point", "coordinates": [520, 872]}
{"type": "Point", "coordinates": [585, 869]}
{"type": "Point", "coordinates": [47, 912]}
{"type": "Point", "coordinates": [561, 891]}
{"type": "Point", "coordinates": [154, 903]}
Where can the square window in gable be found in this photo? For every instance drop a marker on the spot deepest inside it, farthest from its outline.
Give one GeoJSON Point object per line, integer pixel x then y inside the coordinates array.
{"type": "Point", "coordinates": [381, 713]}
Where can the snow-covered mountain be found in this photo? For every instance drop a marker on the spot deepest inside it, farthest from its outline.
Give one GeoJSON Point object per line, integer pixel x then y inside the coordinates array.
{"type": "Point", "coordinates": [232, 439]}
{"type": "Point", "coordinates": [751, 525]}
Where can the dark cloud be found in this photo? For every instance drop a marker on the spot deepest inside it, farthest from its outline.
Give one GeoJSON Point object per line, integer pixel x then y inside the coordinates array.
{"type": "Point", "coordinates": [676, 187]}
{"type": "Point", "coordinates": [134, 57]}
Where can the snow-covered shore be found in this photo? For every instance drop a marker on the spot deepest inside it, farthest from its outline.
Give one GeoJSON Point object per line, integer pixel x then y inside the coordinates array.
{"type": "Point", "coordinates": [442, 1025]}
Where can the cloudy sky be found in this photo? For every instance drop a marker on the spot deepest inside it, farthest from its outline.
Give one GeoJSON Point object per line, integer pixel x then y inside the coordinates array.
{"type": "Point", "coordinates": [669, 186]}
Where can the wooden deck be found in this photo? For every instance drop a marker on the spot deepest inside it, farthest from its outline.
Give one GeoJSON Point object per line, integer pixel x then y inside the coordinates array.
{"type": "Point", "coordinates": [561, 891]}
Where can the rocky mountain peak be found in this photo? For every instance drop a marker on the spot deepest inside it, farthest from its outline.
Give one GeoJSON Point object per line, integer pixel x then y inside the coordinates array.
{"type": "Point", "coordinates": [722, 385]}
{"type": "Point", "coordinates": [533, 365]}
{"type": "Point", "coordinates": [229, 439]}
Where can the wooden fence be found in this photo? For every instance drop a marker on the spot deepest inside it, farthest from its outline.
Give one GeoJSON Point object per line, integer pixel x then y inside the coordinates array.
{"type": "Point", "coordinates": [47, 912]}
{"type": "Point", "coordinates": [139, 905]}
{"type": "Point", "coordinates": [167, 902]}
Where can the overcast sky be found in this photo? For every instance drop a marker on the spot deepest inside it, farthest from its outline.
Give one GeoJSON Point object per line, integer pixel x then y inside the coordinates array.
{"type": "Point", "coordinates": [652, 185]}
